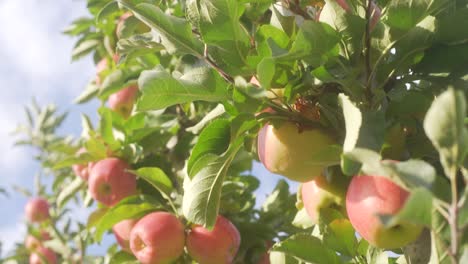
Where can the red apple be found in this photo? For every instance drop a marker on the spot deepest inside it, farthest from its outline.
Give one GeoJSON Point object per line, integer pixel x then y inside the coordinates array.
{"type": "Point", "coordinates": [46, 254]}
{"type": "Point", "coordinates": [31, 242]}
{"type": "Point", "coordinates": [109, 181]}
{"type": "Point", "coordinates": [37, 210]}
{"type": "Point", "coordinates": [122, 233]}
{"type": "Point", "coordinates": [321, 193]}
{"type": "Point", "coordinates": [122, 101]}
{"type": "Point", "coordinates": [217, 246]}
{"type": "Point", "coordinates": [158, 237]}
{"type": "Point", "coordinates": [287, 151]}
{"type": "Point", "coordinates": [369, 196]}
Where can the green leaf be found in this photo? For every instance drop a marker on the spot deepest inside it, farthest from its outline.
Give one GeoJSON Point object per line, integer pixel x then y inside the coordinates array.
{"type": "Point", "coordinates": [404, 15]}
{"type": "Point", "coordinates": [105, 126]}
{"type": "Point", "coordinates": [447, 33]}
{"type": "Point", "coordinates": [84, 48]}
{"type": "Point", "coordinates": [89, 93]}
{"type": "Point", "coordinates": [444, 126]}
{"type": "Point", "coordinates": [363, 130]}
{"type": "Point", "coordinates": [69, 191]}
{"type": "Point", "coordinates": [109, 9]}
{"type": "Point", "coordinates": [79, 26]}
{"type": "Point", "coordinates": [315, 43]}
{"type": "Point", "coordinates": [214, 139]}
{"type": "Point", "coordinates": [129, 208]}
{"type": "Point", "coordinates": [139, 44]}
{"type": "Point", "coordinates": [123, 257]}
{"type": "Point", "coordinates": [266, 72]}
{"type": "Point", "coordinates": [213, 114]}
{"type": "Point", "coordinates": [159, 89]}
{"type": "Point", "coordinates": [176, 33]}
{"type": "Point", "coordinates": [419, 251]}
{"type": "Point", "coordinates": [157, 178]}
{"type": "Point", "coordinates": [302, 219]}
{"type": "Point", "coordinates": [417, 210]}
{"type": "Point", "coordinates": [202, 192]}
{"type": "Point", "coordinates": [340, 236]}
{"type": "Point", "coordinates": [307, 248]}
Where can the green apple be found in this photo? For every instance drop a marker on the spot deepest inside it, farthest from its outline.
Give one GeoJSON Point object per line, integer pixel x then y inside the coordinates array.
{"type": "Point", "coordinates": [292, 153]}
{"type": "Point", "coordinates": [370, 196]}
{"type": "Point", "coordinates": [324, 192]}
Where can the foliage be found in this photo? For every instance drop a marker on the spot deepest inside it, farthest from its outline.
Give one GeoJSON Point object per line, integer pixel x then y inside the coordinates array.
{"type": "Point", "coordinates": [395, 90]}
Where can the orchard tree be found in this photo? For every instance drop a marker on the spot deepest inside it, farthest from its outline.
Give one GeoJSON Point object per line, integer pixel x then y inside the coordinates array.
{"type": "Point", "coordinates": [363, 102]}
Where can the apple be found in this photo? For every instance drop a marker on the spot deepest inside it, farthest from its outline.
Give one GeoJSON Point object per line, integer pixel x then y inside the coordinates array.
{"type": "Point", "coordinates": [287, 151]}
{"type": "Point", "coordinates": [32, 242]}
{"type": "Point", "coordinates": [109, 181]}
{"type": "Point", "coordinates": [219, 245]}
{"type": "Point", "coordinates": [158, 237]}
{"type": "Point", "coordinates": [37, 210]}
{"type": "Point", "coordinates": [122, 233]}
{"type": "Point", "coordinates": [122, 101]}
{"type": "Point", "coordinates": [43, 253]}
{"type": "Point", "coordinates": [323, 192]}
{"type": "Point", "coordinates": [369, 196]}
{"type": "Point", "coordinates": [125, 29]}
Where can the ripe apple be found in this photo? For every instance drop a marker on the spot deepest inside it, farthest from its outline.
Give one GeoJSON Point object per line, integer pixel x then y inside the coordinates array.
{"type": "Point", "coordinates": [122, 233]}
{"type": "Point", "coordinates": [45, 253]}
{"type": "Point", "coordinates": [37, 210]}
{"type": "Point", "coordinates": [109, 182]}
{"type": "Point", "coordinates": [158, 237]}
{"type": "Point", "coordinates": [369, 196]}
{"type": "Point", "coordinates": [219, 245]}
{"type": "Point", "coordinates": [125, 29]}
{"type": "Point", "coordinates": [287, 151]}
{"type": "Point", "coordinates": [322, 192]}
{"type": "Point", "coordinates": [31, 242]}
{"type": "Point", "coordinates": [123, 100]}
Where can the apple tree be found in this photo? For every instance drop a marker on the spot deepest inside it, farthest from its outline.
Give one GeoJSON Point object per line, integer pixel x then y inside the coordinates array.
{"type": "Point", "coordinates": [362, 102]}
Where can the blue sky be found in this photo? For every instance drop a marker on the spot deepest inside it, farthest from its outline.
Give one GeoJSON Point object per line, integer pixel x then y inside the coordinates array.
{"type": "Point", "coordinates": [35, 61]}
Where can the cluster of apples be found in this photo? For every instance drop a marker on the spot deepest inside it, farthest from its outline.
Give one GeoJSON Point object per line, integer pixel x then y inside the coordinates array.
{"type": "Point", "coordinates": [289, 152]}
{"type": "Point", "coordinates": [37, 212]}
{"type": "Point", "coordinates": [158, 237]}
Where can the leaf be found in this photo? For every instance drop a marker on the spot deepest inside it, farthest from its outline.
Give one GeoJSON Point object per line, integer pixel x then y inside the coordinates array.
{"type": "Point", "coordinates": [159, 89]}
{"type": "Point", "coordinates": [417, 210]}
{"type": "Point", "coordinates": [214, 139]}
{"type": "Point", "coordinates": [340, 236]}
{"type": "Point", "coordinates": [69, 191]}
{"type": "Point", "coordinates": [302, 219]}
{"type": "Point", "coordinates": [444, 126]}
{"type": "Point", "coordinates": [109, 9]}
{"type": "Point", "coordinates": [307, 248]}
{"type": "Point", "coordinates": [84, 48]}
{"type": "Point", "coordinates": [128, 208]}
{"type": "Point", "coordinates": [447, 33]}
{"type": "Point", "coordinates": [219, 24]}
{"type": "Point", "coordinates": [202, 191]}
{"type": "Point", "coordinates": [157, 178]}
{"type": "Point", "coordinates": [176, 33]}
{"type": "Point", "coordinates": [404, 15]}
{"type": "Point", "coordinates": [89, 93]}
{"type": "Point", "coordinates": [315, 43]}
{"type": "Point", "coordinates": [363, 130]}
{"type": "Point", "coordinates": [123, 257]}
{"type": "Point", "coordinates": [213, 114]}
{"type": "Point", "coordinates": [140, 44]}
